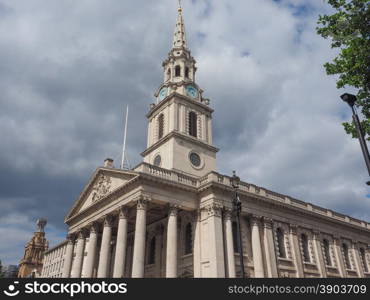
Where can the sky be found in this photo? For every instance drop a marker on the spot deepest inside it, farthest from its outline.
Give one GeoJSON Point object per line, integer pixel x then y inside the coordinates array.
{"type": "Point", "coordinates": [68, 68]}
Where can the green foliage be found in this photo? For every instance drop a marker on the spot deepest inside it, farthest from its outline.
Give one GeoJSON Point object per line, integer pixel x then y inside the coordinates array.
{"type": "Point", "coordinates": [349, 30]}
{"type": "Point", "coordinates": [1, 270]}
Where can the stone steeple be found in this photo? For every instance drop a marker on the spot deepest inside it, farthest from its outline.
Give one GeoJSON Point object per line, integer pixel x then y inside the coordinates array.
{"type": "Point", "coordinates": [179, 36]}
{"type": "Point", "coordinates": [180, 120]}
{"type": "Point", "coordinates": [32, 261]}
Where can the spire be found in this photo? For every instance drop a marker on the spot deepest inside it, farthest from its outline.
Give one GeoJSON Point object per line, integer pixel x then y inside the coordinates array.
{"type": "Point", "coordinates": [179, 38]}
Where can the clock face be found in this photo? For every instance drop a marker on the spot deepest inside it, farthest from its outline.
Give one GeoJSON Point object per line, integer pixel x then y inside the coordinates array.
{"type": "Point", "coordinates": [162, 93]}
{"type": "Point", "coordinates": [191, 91]}
{"type": "Point", "coordinates": [195, 159]}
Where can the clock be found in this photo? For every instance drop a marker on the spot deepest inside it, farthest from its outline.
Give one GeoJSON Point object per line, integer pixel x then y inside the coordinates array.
{"type": "Point", "coordinates": [162, 93]}
{"type": "Point", "coordinates": [191, 91]}
{"type": "Point", "coordinates": [195, 159]}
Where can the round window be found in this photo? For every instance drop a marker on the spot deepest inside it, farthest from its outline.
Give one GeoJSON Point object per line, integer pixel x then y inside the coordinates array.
{"type": "Point", "coordinates": [157, 160]}
{"type": "Point", "coordinates": [195, 159]}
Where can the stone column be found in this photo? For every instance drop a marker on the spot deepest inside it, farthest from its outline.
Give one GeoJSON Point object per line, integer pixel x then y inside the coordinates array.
{"type": "Point", "coordinates": [77, 264]}
{"type": "Point", "coordinates": [230, 255]}
{"type": "Point", "coordinates": [296, 250]}
{"type": "Point", "coordinates": [269, 248]}
{"type": "Point", "coordinates": [358, 261]}
{"type": "Point", "coordinates": [91, 250]}
{"type": "Point", "coordinates": [139, 242]}
{"type": "Point", "coordinates": [171, 253]}
{"type": "Point", "coordinates": [320, 258]}
{"type": "Point", "coordinates": [68, 259]}
{"type": "Point", "coordinates": [103, 267]}
{"type": "Point", "coordinates": [256, 248]}
{"type": "Point", "coordinates": [121, 244]}
{"type": "Point", "coordinates": [338, 256]}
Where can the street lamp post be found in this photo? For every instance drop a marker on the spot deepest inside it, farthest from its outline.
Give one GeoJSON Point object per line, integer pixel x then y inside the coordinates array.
{"type": "Point", "coordinates": [351, 99]}
{"type": "Point", "coordinates": [237, 207]}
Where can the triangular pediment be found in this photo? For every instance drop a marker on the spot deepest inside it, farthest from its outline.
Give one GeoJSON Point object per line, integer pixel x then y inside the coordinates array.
{"type": "Point", "coordinates": [102, 183]}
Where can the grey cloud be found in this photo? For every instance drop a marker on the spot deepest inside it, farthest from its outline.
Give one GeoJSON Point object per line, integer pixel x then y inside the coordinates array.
{"type": "Point", "coordinates": [68, 68]}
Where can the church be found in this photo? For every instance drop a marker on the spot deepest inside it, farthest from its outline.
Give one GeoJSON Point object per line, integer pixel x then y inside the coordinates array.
{"type": "Point", "coordinates": [173, 214]}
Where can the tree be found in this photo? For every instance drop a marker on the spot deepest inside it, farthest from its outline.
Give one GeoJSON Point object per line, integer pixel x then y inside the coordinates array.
{"type": "Point", "coordinates": [349, 30]}
{"type": "Point", "coordinates": [1, 270]}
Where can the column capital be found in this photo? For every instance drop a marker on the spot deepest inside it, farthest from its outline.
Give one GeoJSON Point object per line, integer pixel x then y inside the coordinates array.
{"type": "Point", "coordinates": [93, 227]}
{"type": "Point", "coordinates": [254, 219]}
{"type": "Point", "coordinates": [293, 229]}
{"type": "Point", "coordinates": [173, 210]}
{"type": "Point", "coordinates": [213, 209]}
{"type": "Point", "coordinates": [267, 222]}
{"type": "Point", "coordinates": [123, 212]}
{"type": "Point", "coordinates": [108, 220]}
{"type": "Point", "coordinates": [336, 237]}
{"type": "Point", "coordinates": [71, 237]}
{"type": "Point", "coordinates": [141, 203]}
{"type": "Point", "coordinates": [81, 233]}
{"type": "Point", "coordinates": [228, 214]}
{"type": "Point", "coordinates": [316, 234]}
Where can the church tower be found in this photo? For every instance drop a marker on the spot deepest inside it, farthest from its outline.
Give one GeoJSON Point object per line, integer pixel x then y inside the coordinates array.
{"type": "Point", "coordinates": [180, 121]}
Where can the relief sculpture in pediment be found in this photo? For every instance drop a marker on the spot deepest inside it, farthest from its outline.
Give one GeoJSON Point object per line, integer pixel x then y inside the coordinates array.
{"type": "Point", "coordinates": [101, 188]}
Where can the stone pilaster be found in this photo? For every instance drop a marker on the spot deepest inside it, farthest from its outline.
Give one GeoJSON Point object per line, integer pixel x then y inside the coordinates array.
{"type": "Point", "coordinates": [357, 259]}
{"type": "Point", "coordinates": [296, 250]}
{"type": "Point", "coordinates": [105, 248]}
{"type": "Point", "coordinates": [69, 256]}
{"type": "Point", "coordinates": [256, 247]}
{"type": "Point", "coordinates": [270, 248]}
{"type": "Point", "coordinates": [171, 257]}
{"type": "Point", "coordinates": [230, 255]}
{"type": "Point", "coordinates": [121, 244]}
{"type": "Point", "coordinates": [77, 264]}
{"type": "Point", "coordinates": [139, 242]}
{"type": "Point", "coordinates": [321, 265]}
{"type": "Point", "coordinates": [211, 230]}
{"type": "Point", "coordinates": [339, 257]}
{"type": "Point", "coordinates": [91, 250]}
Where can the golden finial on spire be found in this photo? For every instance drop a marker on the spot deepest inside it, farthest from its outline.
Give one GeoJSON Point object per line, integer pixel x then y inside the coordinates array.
{"type": "Point", "coordinates": [180, 8]}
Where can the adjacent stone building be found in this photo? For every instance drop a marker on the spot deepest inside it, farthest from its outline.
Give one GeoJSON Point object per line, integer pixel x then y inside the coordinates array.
{"type": "Point", "coordinates": [31, 264]}
{"type": "Point", "coordinates": [172, 215]}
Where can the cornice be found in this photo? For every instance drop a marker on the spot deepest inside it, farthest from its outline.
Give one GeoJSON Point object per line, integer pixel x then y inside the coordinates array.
{"type": "Point", "coordinates": [174, 95]}
{"type": "Point", "coordinates": [178, 135]}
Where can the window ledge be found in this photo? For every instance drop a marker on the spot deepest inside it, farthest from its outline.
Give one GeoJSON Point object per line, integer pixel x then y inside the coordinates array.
{"type": "Point", "coordinates": [285, 259]}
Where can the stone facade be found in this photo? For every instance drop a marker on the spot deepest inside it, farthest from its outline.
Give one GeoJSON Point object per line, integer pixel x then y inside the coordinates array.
{"type": "Point", "coordinates": [172, 215]}
{"type": "Point", "coordinates": [54, 261]}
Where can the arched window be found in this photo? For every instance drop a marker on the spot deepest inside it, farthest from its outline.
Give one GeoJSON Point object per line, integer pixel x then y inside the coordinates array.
{"type": "Point", "coordinates": [346, 256]}
{"type": "Point", "coordinates": [235, 237]}
{"type": "Point", "coordinates": [168, 74]}
{"type": "Point", "coordinates": [177, 71]}
{"type": "Point", "coordinates": [186, 72]}
{"type": "Point", "coordinates": [188, 239]}
{"type": "Point", "coordinates": [327, 252]}
{"type": "Point", "coordinates": [363, 258]}
{"type": "Point", "coordinates": [160, 126]}
{"type": "Point", "coordinates": [281, 243]}
{"type": "Point", "coordinates": [151, 259]}
{"type": "Point", "coordinates": [193, 124]}
{"type": "Point", "coordinates": [305, 250]}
